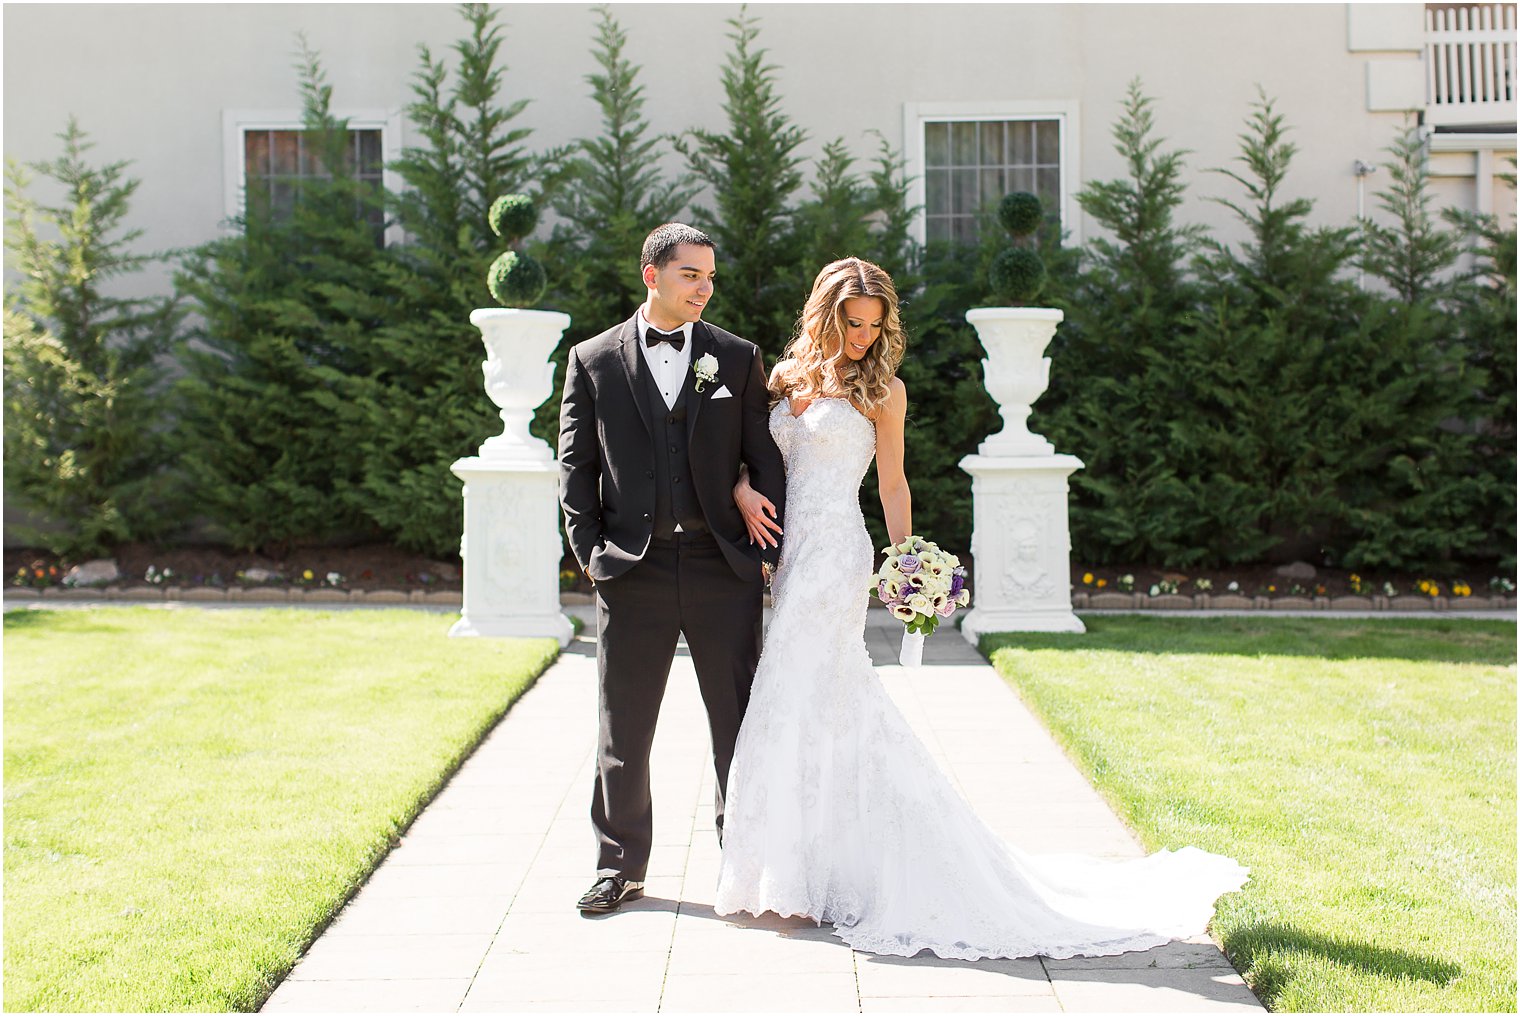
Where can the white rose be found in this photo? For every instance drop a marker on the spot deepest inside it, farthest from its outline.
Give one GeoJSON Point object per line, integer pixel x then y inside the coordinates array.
{"type": "Point", "coordinates": [708, 365]}
{"type": "Point", "coordinates": [919, 602]}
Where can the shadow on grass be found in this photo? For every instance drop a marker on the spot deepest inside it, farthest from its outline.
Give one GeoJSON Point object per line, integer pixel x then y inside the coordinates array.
{"type": "Point", "coordinates": [1264, 954]}
{"type": "Point", "coordinates": [1441, 640]}
{"type": "Point", "coordinates": [70, 621]}
{"type": "Point", "coordinates": [25, 617]}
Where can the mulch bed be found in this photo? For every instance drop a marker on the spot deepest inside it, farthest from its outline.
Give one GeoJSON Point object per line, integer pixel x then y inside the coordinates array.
{"type": "Point", "coordinates": [377, 566]}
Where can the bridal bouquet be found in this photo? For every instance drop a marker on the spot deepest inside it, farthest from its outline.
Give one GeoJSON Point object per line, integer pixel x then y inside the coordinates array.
{"type": "Point", "coordinates": [921, 585]}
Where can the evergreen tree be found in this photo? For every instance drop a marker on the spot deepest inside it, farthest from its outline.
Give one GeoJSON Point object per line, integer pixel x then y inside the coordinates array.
{"type": "Point", "coordinates": [421, 403]}
{"type": "Point", "coordinates": [1277, 310]}
{"type": "Point", "coordinates": [83, 415]}
{"type": "Point", "coordinates": [833, 223]}
{"type": "Point", "coordinates": [1414, 253]}
{"type": "Point", "coordinates": [615, 195]}
{"type": "Point", "coordinates": [752, 172]}
{"type": "Point", "coordinates": [287, 307]}
{"type": "Point", "coordinates": [1114, 390]}
{"type": "Point", "coordinates": [891, 242]}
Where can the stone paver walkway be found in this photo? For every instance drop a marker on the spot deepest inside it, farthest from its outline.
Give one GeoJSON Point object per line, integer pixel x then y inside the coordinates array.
{"type": "Point", "coordinates": [473, 911]}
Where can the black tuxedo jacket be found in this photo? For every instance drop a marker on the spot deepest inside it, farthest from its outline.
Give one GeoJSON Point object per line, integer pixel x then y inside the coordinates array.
{"type": "Point", "coordinates": [606, 448]}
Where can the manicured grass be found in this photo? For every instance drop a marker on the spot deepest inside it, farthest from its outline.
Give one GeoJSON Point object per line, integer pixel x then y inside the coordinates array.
{"type": "Point", "coordinates": [1363, 770]}
{"type": "Point", "coordinates": [191, 794]}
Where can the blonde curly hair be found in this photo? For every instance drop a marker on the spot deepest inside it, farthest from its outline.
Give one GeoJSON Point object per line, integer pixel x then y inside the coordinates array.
{"type": "Point", "coordinates": [814, 364]}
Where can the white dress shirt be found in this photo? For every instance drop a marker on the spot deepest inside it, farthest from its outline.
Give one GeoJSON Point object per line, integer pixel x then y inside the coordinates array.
{"type": "Point", "coordinates": [669, 366]}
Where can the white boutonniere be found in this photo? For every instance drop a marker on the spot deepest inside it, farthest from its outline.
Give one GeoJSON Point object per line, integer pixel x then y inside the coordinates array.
{"type": "Point", "coordinates": [706, 370]}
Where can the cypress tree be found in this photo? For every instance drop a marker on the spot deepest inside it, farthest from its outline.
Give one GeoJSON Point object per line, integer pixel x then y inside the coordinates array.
{"type": "Point", "coordinates": [1414, 254]}
{"type": "Point", "coordinates": [615, 194]}
{"type": "Point", "coordinates": [421, 403]}
{"type": "Point", "coordinates": [84, 417]}
{"type": "Point", "coordinates": [287, 307]}
{"type": "Point", "coordinates": [752, 172]}
{"type": "Point", "coordinates": [1114, 386]}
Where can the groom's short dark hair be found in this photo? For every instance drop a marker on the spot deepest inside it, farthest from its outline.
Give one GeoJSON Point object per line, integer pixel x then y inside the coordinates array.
{"type": "Point", "coordinates": [660, 245]}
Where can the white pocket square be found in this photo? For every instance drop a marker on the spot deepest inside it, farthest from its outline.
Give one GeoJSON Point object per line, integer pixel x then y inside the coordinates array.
{"type": "Point", "coordinates": [723, 393]}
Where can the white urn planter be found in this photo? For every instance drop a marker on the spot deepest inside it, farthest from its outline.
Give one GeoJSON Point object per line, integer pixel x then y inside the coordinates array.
{"type": "Point", "coordinates": [1021, 540]}
{"type": "Point", "coordinates": [511, 544]}
{"type": "Point", "coordinates": [518, 376]}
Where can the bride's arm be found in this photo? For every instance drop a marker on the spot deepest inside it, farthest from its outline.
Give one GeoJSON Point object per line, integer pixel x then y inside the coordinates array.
{"type": "Point", "coordinates": [892, 482]}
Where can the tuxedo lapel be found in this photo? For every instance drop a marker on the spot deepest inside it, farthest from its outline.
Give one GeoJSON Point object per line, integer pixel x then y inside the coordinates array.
{"type": "Point", "coordinates": [701, 343]}
{"type": "Point", "coordinates": [633, 364]}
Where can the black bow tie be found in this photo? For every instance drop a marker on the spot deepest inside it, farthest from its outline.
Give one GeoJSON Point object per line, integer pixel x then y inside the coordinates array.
{"type": "Point", "coordinates": [653, 337]}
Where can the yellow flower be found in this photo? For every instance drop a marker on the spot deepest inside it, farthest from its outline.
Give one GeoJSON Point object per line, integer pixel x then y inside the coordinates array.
{"type": "Point", "coordinates": [307, 575]}
{"type": "Point", "coordinates": [1087, 578]}
{"type": "Point", "coordinates": [1102, 583]}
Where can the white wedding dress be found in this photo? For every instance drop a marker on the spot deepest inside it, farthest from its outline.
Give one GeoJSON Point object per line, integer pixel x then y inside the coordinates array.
{"type": "Point", "coordinates": [835, 811]}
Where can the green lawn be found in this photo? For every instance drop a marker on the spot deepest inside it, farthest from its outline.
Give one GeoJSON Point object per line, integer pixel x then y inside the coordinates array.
{"type": "Point", "coordinates": [1363, 770]}
{"type": "Point", "coordinates": [191, 794]}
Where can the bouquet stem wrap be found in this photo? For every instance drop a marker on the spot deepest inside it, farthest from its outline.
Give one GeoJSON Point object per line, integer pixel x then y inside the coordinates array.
{"type": "Point", "coordinates": [912, 652]}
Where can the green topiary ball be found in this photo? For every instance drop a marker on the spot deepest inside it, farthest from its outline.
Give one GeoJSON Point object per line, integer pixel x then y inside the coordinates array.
{"type": "Point", "coordinates": [516, 280]}
{"type": "Point", "coordinates": [1020, 213]}
{"type": "Point", "coordinates": [1017, 273]}
{"type": "Point", "coordinates": [513, 216]}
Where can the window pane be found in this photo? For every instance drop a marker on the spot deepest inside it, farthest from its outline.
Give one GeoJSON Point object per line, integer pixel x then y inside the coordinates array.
{"type": "Point", "coordinates": [937, 229]}
{"type": "Point", "coordinates": [936, 144]}
{"type": "Point", "coordinates": [286, 157]}
{"type": "Point", "coordinates": [1048, 142]}
{"type": "Point", "coordinates": [310, 164]}
{"type": "Point", "coordinates": [992, 186]}
{"type": "Point", "coordinates": [282, 199]}
{"type": "Point", "coordinates": [963, 229]}
{"type": "Point", "coordinates": [370, 158]}
{"type": "Point", "coordinates": [255, 153]}
{"type": "Point", "coordinates": [937, 191]}
{"type": "Point", "coordinates": [1050, 189]}
{"type": "Point", "coordinates": [964, 191]}
{"type": "Point", "coordinates": [1021, 179]}
{"type": "Point", "coordinates": [1021, 151]}
{"type": "Point", "coordinates": [992, 144]}
{"type": "Point", "coordinates": [963, 144]}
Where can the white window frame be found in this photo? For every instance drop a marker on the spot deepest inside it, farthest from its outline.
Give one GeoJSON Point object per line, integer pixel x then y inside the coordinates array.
{"type": "Point", "coordinates": [1065, 111]}
{"type": "Point", "coordinates": [236, 122]}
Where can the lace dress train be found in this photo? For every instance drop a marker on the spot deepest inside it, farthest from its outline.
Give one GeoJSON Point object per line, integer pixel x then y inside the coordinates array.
{"type": "Point", "coordinates": [837, 812]}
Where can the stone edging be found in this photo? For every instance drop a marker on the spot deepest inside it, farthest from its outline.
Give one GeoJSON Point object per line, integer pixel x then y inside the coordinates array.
{"type": "Point", "coordinates": [1235, 601]}
{"type": "Point", "coordinates": [249, 594]}
{"type": "Point", "coordinates": [1079, 600]}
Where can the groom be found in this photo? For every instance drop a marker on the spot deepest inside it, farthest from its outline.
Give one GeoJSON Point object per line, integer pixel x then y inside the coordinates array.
{"type": "Point", "coordinates": [658, 414]}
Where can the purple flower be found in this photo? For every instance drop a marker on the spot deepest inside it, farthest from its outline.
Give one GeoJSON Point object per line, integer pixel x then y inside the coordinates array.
{"type": "Point", "coordinates": [907, 564]}
{"type": "Point", "coordinates": [957, 582]}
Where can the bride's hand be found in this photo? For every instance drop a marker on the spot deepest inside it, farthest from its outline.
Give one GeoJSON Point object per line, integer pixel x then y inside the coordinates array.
{"type": "Point", "coordinates": [754, 506]}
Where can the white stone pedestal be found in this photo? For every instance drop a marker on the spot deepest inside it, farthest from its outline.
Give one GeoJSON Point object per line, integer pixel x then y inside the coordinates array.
{"type": "Point", "coordinates": [511, 550]}
{"type": "Point", "coordinates": [1021, 544]}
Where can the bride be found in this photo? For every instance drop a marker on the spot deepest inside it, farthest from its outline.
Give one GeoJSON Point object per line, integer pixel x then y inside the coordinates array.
{"type": "Point", "coordinates": [835, 810]}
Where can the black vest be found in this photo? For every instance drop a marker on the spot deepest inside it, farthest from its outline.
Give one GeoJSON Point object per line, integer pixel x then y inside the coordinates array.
{"type": "Point", "coordinates": [674, 499]}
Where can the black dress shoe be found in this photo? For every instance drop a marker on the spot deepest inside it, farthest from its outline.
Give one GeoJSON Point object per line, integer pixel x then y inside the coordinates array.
{"type": "Point", "coordinates": [608, 894]}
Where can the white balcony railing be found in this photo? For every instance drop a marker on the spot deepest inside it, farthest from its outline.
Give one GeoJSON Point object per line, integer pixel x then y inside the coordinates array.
{"type": "Point", "coordinates": [1469, 63]}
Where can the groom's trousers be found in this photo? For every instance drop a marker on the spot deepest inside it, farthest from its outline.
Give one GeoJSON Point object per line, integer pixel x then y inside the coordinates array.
{"type": "Point", "coordinates": [684, 585]}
